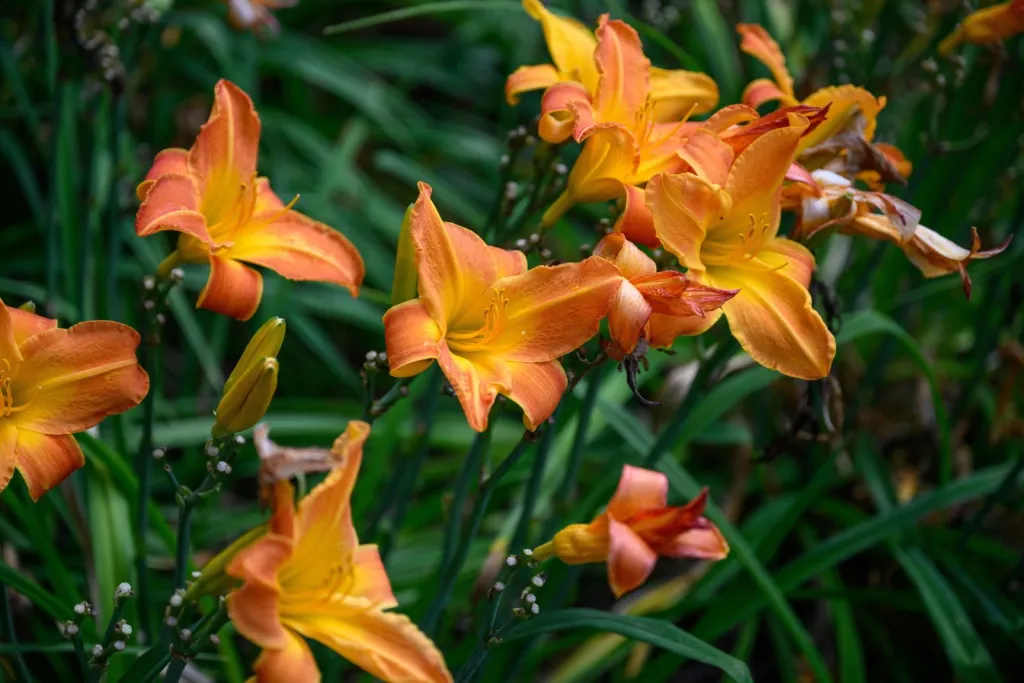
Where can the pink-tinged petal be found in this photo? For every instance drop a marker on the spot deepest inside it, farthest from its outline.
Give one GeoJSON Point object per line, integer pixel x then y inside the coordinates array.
{"type": "Point", "coordinates": [708, 155]}
{"type": "Point", "coordinates": [763, 90]}
{"type": "Point", "coordinates": [234, 289]}
{"type": "Point", "coordinates": [665, 329]}
{"type": "Point", "coordinates": [26, 325]}
{"type": "Point", "coordinates": [675, 94]}
{"type": "Point", "coordinates": [624, 73]}
{"type": "Point", "coordinates": [254, 607]}
{"type": "Point", "coordinates": [639, 490]}
{"type": "Point", "coordinates": [70, 380]}
{"type": "Point", "coordinates": [8, 453]}
{"type": "Point", "coordinates": [476, 379]}
{"type": "Point", "coordinates": [729, 116]}
{"type": "Point", "coordinates": [559, 120]}
{"type": "Point", "coordinates": [536, 388]}
{"type": "Point", "coordinates": [628, 317]}
{"type": "Point", "coordinates": [45, 461]}
{"type": "Point", "coordinates": [636, 222]}
{"type": "Point", "coordinates": [224, 154]}
{"type": "Point", "coordinates": [666, 326]}
{"type": "Point", "coordinates": [172, 203]}
{"type": "Point", "coordinates": [935, 255]}
{"type": "Point", "coordinates": [701, 543]}
{"type": "Point", "coordinates": [759, 44]}
{"type": "Point", "coordinates": [412, 338]}
{"type": "Point", "coordinates": [298, 248]}
{"type": "Point", "coordinates": [553, 310]}
{"type": "Point", "coordinates": [292, 661]}
{"type": "Point", "coordinates": [171, 160]}
{"type": "Point", "coordinates": [387, 646]}
{"type": "Point", "coordinates": [630, 560]}
{"type": "Point", "coordinates": [799, 174]}
{"type": "Point", "coordinates": [570, 43]}
{"type": "Point", "coordinates": [370, 580]}
{"type": "Point", "coordinates": [773, 320]}
{"type": "Point", "coordinates": [683, 207]}
{"type": "Point", "coordinates": [527, 78]}
{"type": "Point", "coordinates": [626, 256]}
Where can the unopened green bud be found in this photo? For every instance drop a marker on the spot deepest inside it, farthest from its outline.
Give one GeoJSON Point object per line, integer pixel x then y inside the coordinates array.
{"type": "Point", "coordinates": [264, 344]}
{"type": "Point", "coordinates": [246, 402]}
{"type": "Point", "coordinates": [403, 287]}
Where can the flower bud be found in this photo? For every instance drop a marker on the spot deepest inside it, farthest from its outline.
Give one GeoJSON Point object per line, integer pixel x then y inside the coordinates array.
{"type": "Point", "coordinates": [245, 403]}
{"type": "Point", "coordinates": [264, 344]}
{"type": "Point", "coordinates": [403, 287]}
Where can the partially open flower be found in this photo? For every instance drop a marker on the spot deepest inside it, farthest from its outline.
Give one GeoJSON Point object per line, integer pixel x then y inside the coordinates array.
{"type": "Point", "coordinates": [638, 527]}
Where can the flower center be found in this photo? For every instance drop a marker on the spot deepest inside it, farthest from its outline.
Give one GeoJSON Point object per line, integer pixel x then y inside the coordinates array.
{"type": "Point", "coordinates": [495, 319]}
{"type": "Point", "coordinates": [732, 248]}
{"type": "Point", "coordinates": [7, 406]}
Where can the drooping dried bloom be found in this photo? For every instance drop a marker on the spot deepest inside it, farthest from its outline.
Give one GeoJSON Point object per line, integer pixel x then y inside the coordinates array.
{"type": "Point", "coordinates": [636, 529]}
{"type": "Point", "coordinates": [228, 216]}
{"type": "Point", "coordinates": [308, 577]}
{"type": "Point", "coordinates": [493, 326]}
{"type": "Point", "coordinates": [55, 383]}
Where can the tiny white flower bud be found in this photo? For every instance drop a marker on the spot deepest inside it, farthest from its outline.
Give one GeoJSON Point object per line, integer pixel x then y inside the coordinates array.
{"type": "Point", "coordinates": [123, 589]}
{"type": "Point", "coordinates": [535, 608]}
{"type": "Point", "coordinates": [498, 587]}
{"type": "Point", "coordinates": [212, 450]}
{"type": "Point", "coordinates": [175, 600]}
{"type": "Point", "coordinates": [530, 598]}
{"type": "Point", "coordinates": [223, 467]}
{"type": "Point", "coordinates": [119, 645]}
{"type": "Point", "coordinates": [126, 629]}
{"type": "Point", "coordinates": [171, 622]}
{"type": "Point", "coordinates": [80, 608]}
{"type": "Point", "coordinates": [148, 283]}
{"type": "Point", "coordinates": [215, 640]}
{"type": "Point", "coordinates": [527, 552]}
{"type": "Point", "coordinates": [239, 439]}
{"type": "Point", "coordinates": [511, 560]}
{"type": "Point", "coordinates": [186, 634]}
{"type": "Point", "coordinates": [97, 650]}
{"type": "Point", "coordinates": [538, 580]}
{"type": "Point", "coordinates": [371, 356]}
{"type": "Point", "coordinates": [196, 575]}
{"type": "Point", "coordinates": [71, 630]}
{"type": "Point", "coordinates": [177, 274]}
{"type": "Point", "coordinates": [159, 453]}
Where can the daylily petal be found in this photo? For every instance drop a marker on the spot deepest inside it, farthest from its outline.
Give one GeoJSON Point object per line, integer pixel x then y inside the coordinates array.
{"type": "Point", "coordinates": [555, 309]}
{"type": "Point", "coordinates": [729, 116]}
{"type": "Point", "coordinates": [476, 379]}
{"type": "Point", "coordinates": [8, 453]}
{"type": "Point", "coordinates": [298, 248]}
{"type": "Point", "coordinates": [683, 207]}
{"type": "Point", "coordinates": [25, 325]}
{"type": "Point", "coordinates": [628, 316]}
{"type": "Point", "coordinates": [234, 289]}
{"type": "Point", "coordinates": [659, 152]}
{"type": "Point", "coordinates": [536, 388]}
{"type": "Point", "coordinates": [708, 155]}
{"type": "Point", "coordinates": [172, 203]}
{"type": "Point", "coordinates": [385, 645]}
{"type": "Point", "coordinates": [987, 25]}
{"type": "Point", "coordinates": [570, 43]}
{"type": "Point", "coordinates": [253, 608]}
{"type": "Point", "coordinates": [639, 489]}
{"type": "Point", "coordinates": [45, 461]}
{"type": "Point", "coordinates": [896, 159]}
{"type": "Point", "coordinates": [291, 661]}
{"type": "Point", "coordinates": [702, 543]}
{"type": "Point", "coordinates": [171, 160]}
{"type": "Point", "coordinates": [370, 580]}
{"type": "Point", "coordinates": [759, 44]}
{"type": "Point", "coordinates": [412, 338]}
{"type": "Point", "coordinates": [8, 337]}
{"type": "Point", "coordinates": [69, 380]}
{"type": "Point", "coordinates": [846, 101]}
{"type": "Point", "coordinates": [565, 110]}
{"type": "Point", "coordinates": [609, 156]}
{"type": "Point", "coordinates": [673, 293]}
{"type": "Point", "coordinates": [630, 260]}
{"type": "Point", "coordinates": [224, 154]}
{"type": "Point", "coordinates": [773, 320]}
{"type": "Point", "coordinates": [624, 72]}
{"type": "Point", "coordinates": [579, 543]}
{"type": "Point", "coordinates": [665, 329]}
{"type": "Point", "coordinates": [763, 90]}
{"type": "Point", "coordinates": [790, 258]}
{"type": "Point", "coordinates": [635, 222]}
{"type": "Point", "coordinates": [630, 560]}
{"type": "Point", "coordinates": [935, 255]}
{"type": "Point", "coordinates": [676, 93]}
{"type": "Point", "coordinates": [527, 78]}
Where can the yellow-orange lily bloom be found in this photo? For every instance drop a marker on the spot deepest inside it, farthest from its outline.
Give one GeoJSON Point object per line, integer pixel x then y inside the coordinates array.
{"type": "Point", "coordinates": [726, 236]}
{"type": "Point", "coordinates": [623, 145]}
{"type": "Point", "coordinates": [493, 326]}
{"type": "Point", "coordinates": [637, 527]}
{"type": "Point", "coordinates": [228, 216]}
{"type": "Point", "coordinates": [838, 203]}
{"type": "Point", "coordinates": [55, 383]}
{"type": "Point", "coordinates": [650, 305]}
{"type": "Point", "coordinates": [674, 93]}
{"type": "Point", "coordinates": [309, 577]}
{"type": "Point", "coordinates": [986, 26]}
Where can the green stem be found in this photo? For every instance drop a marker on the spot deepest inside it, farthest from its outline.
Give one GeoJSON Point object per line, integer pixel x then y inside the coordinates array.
{"type": "Point", "coordinates": [7, 622]}
{"type": "Point", "coordinates": [175, 669]}
{"type": "Point", "coordinates": [521, 536]}
{"type": "Point", "coordinates": [151, 361]}
{"type": "Point", "coordinates": [470, 466]}
{"type": "Point", "coordinates": [451, 572]}
{"type": "Point", "coordinates": [1008, 486]}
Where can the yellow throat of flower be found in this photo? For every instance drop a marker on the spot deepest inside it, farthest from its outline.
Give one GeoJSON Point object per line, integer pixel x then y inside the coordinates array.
{"type": "Point", "coordinates": [7, 404]}
{"type": "Point", "coordinates": [727, 246]}
{"type": "Point", "coordinates": [482, 337]}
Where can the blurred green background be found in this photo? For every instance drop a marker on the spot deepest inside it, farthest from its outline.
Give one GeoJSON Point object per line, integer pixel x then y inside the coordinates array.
{"type": "Point", "coordinates": [875, 520]}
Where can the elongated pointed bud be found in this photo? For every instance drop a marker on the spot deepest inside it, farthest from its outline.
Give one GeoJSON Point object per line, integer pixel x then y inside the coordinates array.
{"type": "Point", "coordinates": [403, 287]}
{"type": "Point", "coordinates": [245, 403]}
{"type": "Point", "coordinates": [264, 344]}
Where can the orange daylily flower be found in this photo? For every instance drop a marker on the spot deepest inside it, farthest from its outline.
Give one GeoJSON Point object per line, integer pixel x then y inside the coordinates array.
{"type": "Point", "coordinates": [986, 26]}
{"type": "Point", "coordinates": [254, 15]}
{"type": "Point", "coordinates": [623, 145]}
{"type": "Point", "coordinates": [228, 216]}
{"type": "Point", "coordinates": [836, 202]}
{"type": "Point", "coordinates": [637, 527]}
{"type": "Point", "coordinates": [55, 383]}
{"type": "Point", "coordinates": [493, 326]}
{"type": "Point", "coordinates": [726, 237]}
{"type": "Point", "coordinates": [650, 305]}
{"type": "Point", "coordinates": [308, 576]}
{"type": "Point", "coordinates": [572, 45]}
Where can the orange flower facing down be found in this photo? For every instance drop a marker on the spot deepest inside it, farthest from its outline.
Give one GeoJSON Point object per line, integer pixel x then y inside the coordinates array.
{"type": "Point", "coordinates": [638, 527]}
{"type": "Point", "coordinates": [493, 326]}
{"type": "Point", "coordinates": [309, 577]}
{"type": "Point", "coordinates": [624, 146]}
{"type": "Point", "coordinates": [838, 203]}
{"type": "Point", "coordinates": [650, 305]}
{"type": "Point", "coordinates": [55, 383]}
{"type": "Point", "coordinates": [673, 94]}
{"type": "Point", "coordinates": [726, 237]}
{"type": "Point", "coordinates": [254, 15]}
{"type": "Point", "coordinates": [228, 216]}
{"type": "Point", "coordinates": [986, 26]}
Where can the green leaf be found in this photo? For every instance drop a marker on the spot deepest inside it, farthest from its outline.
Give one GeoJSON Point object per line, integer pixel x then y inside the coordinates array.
{"type": "Point", "coordinates": [420, 10]}
{"type": "Point", "coordinates": [654, 631]}
{"type": "Point", "coordinates": [39, 596]}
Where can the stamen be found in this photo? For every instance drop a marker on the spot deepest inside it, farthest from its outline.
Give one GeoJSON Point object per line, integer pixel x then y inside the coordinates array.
{"type": "Point", "coordinates": [495, 319]}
